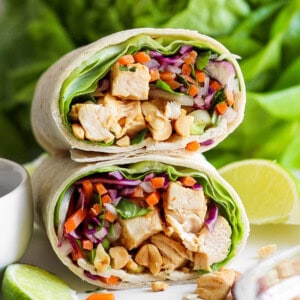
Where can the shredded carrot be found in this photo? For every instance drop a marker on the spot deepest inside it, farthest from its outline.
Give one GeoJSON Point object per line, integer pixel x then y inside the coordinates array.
{"type": "Point", "coordinates": [188, 180]}
{"type": "Point", "coordinates": [153, 198]}
{"type": "Point", "coordinates": [157, 182]}
{"type": "Point", "coordinates": [110, 217]}
{"type": "Point", "coordinates": [173, 84]}
{"type": "Point", "coordinates": [77, 254]}
{"type": "Point", "coordinates": [75, 219]}
{"type": "Point", "coordinates": [87, 244]}
{"type": "Point", "coordinates": [221, 108]}
{"type": "Point", "coordinates": [167, 76]}
{"type": "Point", "coordinates": [215, 85]}
{"type": "Point", "coordinates": [101, 296]}
{"type": "Point", "coordinates": [141, 57]}
{"type": "Point", "coordinates": [191, 58]}
{"type": "Point", "coordinates": [138, 192]}
{"type": "Point", "coordinates": [193, 90]}
{"type": "Point", "coordinates": [192, 146]}
{"type": "Point", "coordinates": [229, 97]}
{"type": "Point", "coordinates": [95, 210]}
{"type": "Point", "coordinates": [100, 188]}
{"type": "Point", "coordinates": [106, 199]}
{"type": "Point", "coordinates": [200, 75]}
{"type": "Point", "coordinates": [87, 189]}
{"type": "Point", "coordinates": [112, 280]}
{"type": "Point", "coordinates": [186, 69]}
{"type": "Point", "coordinates": [154, 75]}
{"type": "Point", "coordinates": [126, 59]}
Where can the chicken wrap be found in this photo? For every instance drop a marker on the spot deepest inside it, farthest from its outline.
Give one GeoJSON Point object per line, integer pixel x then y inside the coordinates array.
{"type": "Point", "coordinates": [124, 223]}
{"type": "Point", "coordinates": [153, 89]}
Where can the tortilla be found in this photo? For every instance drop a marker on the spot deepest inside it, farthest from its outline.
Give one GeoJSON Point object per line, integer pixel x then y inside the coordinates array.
{"type": "Point", "coordinates": [193, 249]}
{"type": "Point", "coordinates": [75, 79]}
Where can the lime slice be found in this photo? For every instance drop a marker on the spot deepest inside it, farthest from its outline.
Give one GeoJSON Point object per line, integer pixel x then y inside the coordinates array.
{"type": "Point", "coordinates": [21, 281]}
{"type": "Point", "coordinates": [268, 192]}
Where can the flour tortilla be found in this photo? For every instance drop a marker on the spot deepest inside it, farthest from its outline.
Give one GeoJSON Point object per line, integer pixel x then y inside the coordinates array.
{"type": "Point", "coordinates": [53, 134]}
{"type": "Point", "coordinates": [54, 174]}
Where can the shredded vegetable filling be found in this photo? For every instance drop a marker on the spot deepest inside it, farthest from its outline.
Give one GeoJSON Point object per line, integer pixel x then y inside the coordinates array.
{"type": "Point", "coordinates": [149, 225]}
{"type": "Point", "coordinates": [149, 94]}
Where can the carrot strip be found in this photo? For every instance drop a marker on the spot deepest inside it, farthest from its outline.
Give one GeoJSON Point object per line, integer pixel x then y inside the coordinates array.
{"type": "Point", "coordinates": [100, 188]}
{"type": "Point", "coordinates": [126, 59]}
{"type": "Point", "coordinates": [106, 199]}
{"type": "Point", "coordinates": [141, 57]}
{"type": "Point", "coordinates": [215, 85]}
{"type": "Point", "coordinates": [153, 198]}
{"type": "Point", "coordinates": [173, 84]}
{"type": "Point", "coordinates": [87, 244]}
{"type": "Point", "coordinates": [75, 219]}
{"type": "Point", "coordinates": [87, 189]}
{"type": "Point", "coordinates": [192, 146]}
{"type": "Point", "coordinates": [101, 296]}
{"type": "Point", "coordinates": [193, 90]}
{"type": "Point", "coordinates": [191, 58]}
{"type": "Point", "coordinates": [112, 280]}
{"type": "Point", "coordinates": [95, 209]}
{"type": "Point", "coordinates": [186, 69]}
{"type": "Point", "coordinates": [229, 97]}
{"type": "Point", "coordinates": [78, 254]}
{"type": "Point", "coordinates": [109, 216]}
{"type": "Point", "coordinates": [221, 108]}
{"type": "Point", "coordinates": [200, 75]}
{"type": "Point", "coordinates": [157, 182]}
{"type": "Point", "coordinates": [188, 181]}
{"type": "Point", "coordinates": [167, 76]}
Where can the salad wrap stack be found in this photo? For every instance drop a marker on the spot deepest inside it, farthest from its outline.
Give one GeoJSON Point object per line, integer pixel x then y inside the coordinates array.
{"type": "Point", "coordinates": [126, 222]}
{"type": "Point", "coordinates": [136, 90]}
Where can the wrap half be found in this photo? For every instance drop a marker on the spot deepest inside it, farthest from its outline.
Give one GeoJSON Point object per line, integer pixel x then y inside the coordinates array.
{"type": "Point", "coordinates": [159, 89]}
{"type": "Point", "coordinates": [125, 223]}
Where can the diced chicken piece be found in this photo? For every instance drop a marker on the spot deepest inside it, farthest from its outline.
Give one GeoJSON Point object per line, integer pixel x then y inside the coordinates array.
{"type": "Point", "coordinates": [172, 110]}
{"type": "Point", "coordinates": [94, 119]}
{"type": "Point", "coordinates": [149, 257]}
{"type": "Point", "coordinates": [217, 285]}
{"type": "Point", "coordinates": [130, 81]}
{"type": "Point", "coordinates": [185, 211]}
{"type": "Point", "coordinates": [173, 253]}
{"type": "Point", "coordinates": [73, 114]}
{"type": "Point", "coordinates": [138, 229]}
{"type": "Point", "coordinates": [160, 127]}
{"type": "Point", "coordinates": [215, 244]}
{"type": "Point", "coordinates": [78, 131]}
{"type": "Point", "coordinates": [128, 113]}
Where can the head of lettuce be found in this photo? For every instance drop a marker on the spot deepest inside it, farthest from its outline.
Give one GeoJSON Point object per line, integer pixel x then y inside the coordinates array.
{"type": "Point", "coordinates": [153, 89]}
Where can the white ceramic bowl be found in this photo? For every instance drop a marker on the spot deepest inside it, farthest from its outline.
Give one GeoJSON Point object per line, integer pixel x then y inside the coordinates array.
{"type": "Point", "coordinates": [16, 212]}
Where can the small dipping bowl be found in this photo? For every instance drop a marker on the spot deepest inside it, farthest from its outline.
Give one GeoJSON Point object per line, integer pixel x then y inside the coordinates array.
{"type": "Point", "coordinates": [16, 212]}
{"type": "Point", "coordinates": [274, 278]}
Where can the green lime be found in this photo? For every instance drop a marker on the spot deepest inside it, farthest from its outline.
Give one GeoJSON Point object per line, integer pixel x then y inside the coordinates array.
{"type": "Point", "coordinates": [22, 281]}
{"type": "Point", "coordinates": [268, 192]}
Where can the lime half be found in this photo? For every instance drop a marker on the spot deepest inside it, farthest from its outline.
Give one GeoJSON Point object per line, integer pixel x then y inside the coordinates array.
{"type": "Point", "coordinates": [268, 192]}
{"type": "Point", "coordinates": [22, 281]}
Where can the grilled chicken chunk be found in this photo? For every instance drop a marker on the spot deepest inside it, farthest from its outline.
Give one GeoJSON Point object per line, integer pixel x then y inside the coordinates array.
{"type": "Point", "coordinates": [138, 229]}
{"type": "Point", "coordinates": [130, 81]}
{"type": "Point", "coordinates": [96, 121]}
{"type": "Point", "coordinates": [128, 113]}
{"type": "Point", "coordinates": [185, 210]}
{"type": "Point", "coordinates": [213, 246]}
{"type": "Point", "coordinates": [173, 253]}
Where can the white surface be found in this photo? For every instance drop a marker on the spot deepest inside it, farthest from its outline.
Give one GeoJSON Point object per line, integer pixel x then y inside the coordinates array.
{"type": "Point", "coordinates": [40, 253]}
{"type": "Point", "coordinates": [16, 212]}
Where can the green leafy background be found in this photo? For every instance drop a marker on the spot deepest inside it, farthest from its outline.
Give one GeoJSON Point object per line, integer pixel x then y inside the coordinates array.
{"type": "Point", "coordinates": [265, 33]}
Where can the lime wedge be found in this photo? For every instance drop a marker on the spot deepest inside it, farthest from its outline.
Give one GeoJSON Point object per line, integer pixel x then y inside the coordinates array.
{"type": "Point", "coordinates": [22, 281]}
{"type": "Point", "coordinates": [268, 192]}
